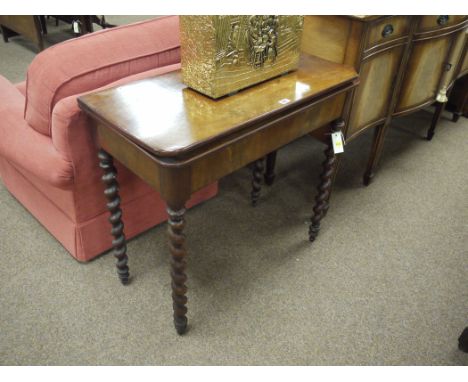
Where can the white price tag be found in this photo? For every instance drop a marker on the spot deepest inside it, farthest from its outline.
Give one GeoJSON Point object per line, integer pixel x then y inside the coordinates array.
{"type": "Point", "coordinates": [338, 142]}
{"type": "Point", "coordinates": [76, 27]}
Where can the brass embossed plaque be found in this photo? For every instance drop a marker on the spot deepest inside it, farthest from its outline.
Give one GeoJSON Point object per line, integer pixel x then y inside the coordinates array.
{"type": "Point", "coordinates": [223, 54]}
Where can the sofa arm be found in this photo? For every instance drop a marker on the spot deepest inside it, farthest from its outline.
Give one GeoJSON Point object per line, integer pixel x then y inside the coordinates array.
{"type": "Point", "coordinates": [72, 135]}
{"type": "Point", "coordinates": [24, 147]}
{"type": "Point", "coordinates": [95, 60]}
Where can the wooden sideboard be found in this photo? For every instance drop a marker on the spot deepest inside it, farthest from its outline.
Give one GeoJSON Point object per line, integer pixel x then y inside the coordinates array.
{"type": "Point", "coordinates": [405, 63]}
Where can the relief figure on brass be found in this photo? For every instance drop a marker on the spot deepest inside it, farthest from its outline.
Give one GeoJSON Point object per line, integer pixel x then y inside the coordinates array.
{"type": "Point", "coordinates": [230, 55]}
{"type": "Point", "coordinates": [263, 39]}
{"type": "Point", "coordinates": [260, 37]}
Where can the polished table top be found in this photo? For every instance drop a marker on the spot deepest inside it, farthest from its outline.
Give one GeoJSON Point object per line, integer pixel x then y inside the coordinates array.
{"type": "Point", "coordinates": [187, 120]}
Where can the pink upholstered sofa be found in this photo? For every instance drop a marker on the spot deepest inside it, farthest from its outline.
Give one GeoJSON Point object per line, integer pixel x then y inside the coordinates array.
{"type": "Point", "coordinates": [48, 150]}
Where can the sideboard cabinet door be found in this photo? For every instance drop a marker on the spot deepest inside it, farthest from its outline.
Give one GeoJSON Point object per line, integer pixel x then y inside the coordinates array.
{"type": "Point", "coordinates": [373, 96]}
{"type": "Point", "coordinates": [434, 61]}
{"type": "Point", "coordinates": [454, 62]}
{"type": "Point", "coordinates": [423, 73]}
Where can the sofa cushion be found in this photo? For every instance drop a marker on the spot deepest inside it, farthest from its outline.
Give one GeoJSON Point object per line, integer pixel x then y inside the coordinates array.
{"type": "Point", "coordinates": [94, 60]}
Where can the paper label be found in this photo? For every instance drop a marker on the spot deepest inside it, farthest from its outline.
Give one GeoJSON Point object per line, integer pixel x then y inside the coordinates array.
{"type": "Point", "coordinates": [338, 142]}
{"type": "Point", "coordinates": [76, 27]}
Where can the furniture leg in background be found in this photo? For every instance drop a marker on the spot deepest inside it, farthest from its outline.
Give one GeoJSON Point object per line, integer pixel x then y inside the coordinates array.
{"type": "Point", "coordinates": [439, 108]}
{"type": "Point", "coordinates": [458, 98]}
{"type": "Point", "coordinates": [85, 23]}
{"type": "Point", "coordinates": [270, 168]}
{"type": "Point", "coordinates": [43, 23]}
{"type": "Point", "coordinates": [257, 175]}
{"type": "Point", "coordinates": [376, 152]}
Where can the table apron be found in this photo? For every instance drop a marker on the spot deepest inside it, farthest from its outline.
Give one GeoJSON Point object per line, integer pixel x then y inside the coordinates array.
{"type": "Point", "coordinates": [217, 163]}
{"type": "Point", "coordinates": [130, 155]}
{"type": "Point", "coordinates": [245, 150]}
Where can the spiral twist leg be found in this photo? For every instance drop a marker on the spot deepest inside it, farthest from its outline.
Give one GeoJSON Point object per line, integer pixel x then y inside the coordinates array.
{"type": "Point", "coordinates": [178, 266]}
{"type": "Point", "coordinates": [113, 205]}
{"type": "Point", "coordinates": [270, 168]}
{"type": "Point", "coordinates": [257, 176]}
{"type": "Point", "coordinates": [324, 188]}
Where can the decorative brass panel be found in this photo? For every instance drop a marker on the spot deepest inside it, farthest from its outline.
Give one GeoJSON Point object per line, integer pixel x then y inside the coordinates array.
{"type": "Point", "coordinates": [223, 54]}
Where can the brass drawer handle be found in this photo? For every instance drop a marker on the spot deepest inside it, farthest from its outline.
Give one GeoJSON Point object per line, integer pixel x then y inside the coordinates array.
{"type": "Point", "coordinates": [387, 31]}
{"type": "Point", "coordinates": [442, 20]}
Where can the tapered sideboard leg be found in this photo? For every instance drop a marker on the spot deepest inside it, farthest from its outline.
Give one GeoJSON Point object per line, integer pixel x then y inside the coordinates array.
{"type": "Point", "coordinates": [111, 192]}
{"type": "Point", "coordinates": [257, 175]}
{"type": "Point", "coordinates": [270, 168]}
{"type": "Point", "coordinates": [435, 119]}
{"type": "Point", "coordinates": [376, 151]}
{"type": "Point", "coordinates": [178, 267]}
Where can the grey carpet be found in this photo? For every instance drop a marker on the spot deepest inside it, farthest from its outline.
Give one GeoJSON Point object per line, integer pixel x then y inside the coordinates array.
{"type": "Point", "coordinates": [384, 284]}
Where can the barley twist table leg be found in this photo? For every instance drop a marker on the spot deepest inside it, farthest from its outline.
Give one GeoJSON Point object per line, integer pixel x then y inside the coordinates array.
{"type": "Point", "coordinates": [324, 188]}
{"type": "Point", "coordinates": [257, 176]}
{"type": "Point", "coordinates": [178, 267]}
{"type": "Point", "coordinates": [113, 205]}
{"type": "Point", "coordinates": [270, 168]}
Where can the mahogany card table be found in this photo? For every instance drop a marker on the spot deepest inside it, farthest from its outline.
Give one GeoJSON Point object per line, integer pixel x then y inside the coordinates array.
{"type": "Point", "coordinates": [180, 141]}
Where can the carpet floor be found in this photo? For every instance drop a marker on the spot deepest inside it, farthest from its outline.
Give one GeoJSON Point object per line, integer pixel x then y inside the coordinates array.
{"type": "Point", "coordinates": [384, 284]}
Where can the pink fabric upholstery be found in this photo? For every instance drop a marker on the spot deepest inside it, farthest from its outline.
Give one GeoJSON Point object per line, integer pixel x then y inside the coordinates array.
{"type": "Point", "coordinates": [21, 86]}
{"type": "Point", "coordinates": [23, 145]}
{"type": "Point", "coordinates": [94, 60]}
{"type": "Point", "coordinates": [86, 240]}
{"type": "Point", "coordinates": [73, 139]}
{"type": "Point", "coordinates": [55, 175]}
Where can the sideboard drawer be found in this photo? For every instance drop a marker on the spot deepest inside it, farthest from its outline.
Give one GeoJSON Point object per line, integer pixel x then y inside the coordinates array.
{"type": "Point", "coordinates": [390, 28]}
{"type": "Point", "coordinates": [433, 23]}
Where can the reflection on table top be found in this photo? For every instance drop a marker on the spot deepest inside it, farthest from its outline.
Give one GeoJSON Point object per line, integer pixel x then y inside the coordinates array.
{"type": "Point", "coordinates": [168, 119]}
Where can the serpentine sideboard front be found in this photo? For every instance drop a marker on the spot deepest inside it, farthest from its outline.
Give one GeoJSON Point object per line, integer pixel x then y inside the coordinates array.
{"type": "Point", "coordinates": [405, 63]}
